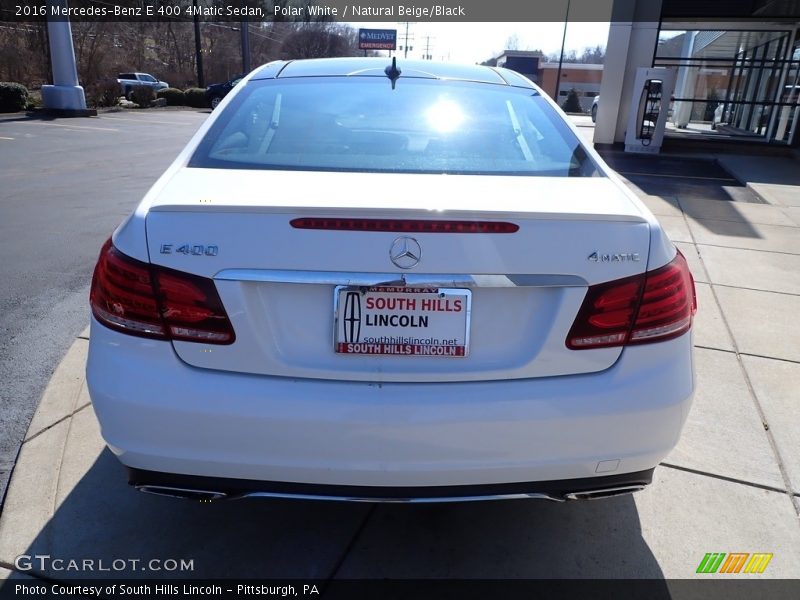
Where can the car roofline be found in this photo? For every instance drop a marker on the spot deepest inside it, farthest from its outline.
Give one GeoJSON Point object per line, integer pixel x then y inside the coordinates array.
{"type": "Point", "coordinates": [358, 67]}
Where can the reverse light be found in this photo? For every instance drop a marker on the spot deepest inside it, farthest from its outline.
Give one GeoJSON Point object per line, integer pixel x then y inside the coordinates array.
{"type": "Point", "coordinates": [146, 300]}
{"type": "Point", "coordinates": [651, 307]}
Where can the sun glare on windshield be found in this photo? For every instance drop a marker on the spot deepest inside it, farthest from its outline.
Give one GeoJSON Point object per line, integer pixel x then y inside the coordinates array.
{"type": "Point", "coordinates": [445, 116]}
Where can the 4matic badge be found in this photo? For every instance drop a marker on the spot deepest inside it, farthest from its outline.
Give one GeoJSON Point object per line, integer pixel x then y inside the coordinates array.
{"type": "Point", "coordinates": [599, 257]}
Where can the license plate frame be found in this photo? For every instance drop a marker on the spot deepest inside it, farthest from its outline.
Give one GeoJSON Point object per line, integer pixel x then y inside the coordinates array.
{"type": "Point", "coordinates": [433, 308]}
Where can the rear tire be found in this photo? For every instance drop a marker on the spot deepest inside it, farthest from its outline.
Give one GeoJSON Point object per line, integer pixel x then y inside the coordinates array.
{"type": "Point", "coordinates": [128, 93]}
{"type": "Point", "coordinates": [214, 103]}
{"type": "Point", "coordinates": [594, 113]}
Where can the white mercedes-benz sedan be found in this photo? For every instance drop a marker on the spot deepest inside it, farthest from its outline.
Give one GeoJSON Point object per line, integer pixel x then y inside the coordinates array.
{"type": "Point", "coordinates": [410, 281]}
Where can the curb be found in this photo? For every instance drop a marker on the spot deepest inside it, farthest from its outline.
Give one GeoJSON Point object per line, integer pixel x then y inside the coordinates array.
{"type": "Point", "coordinates": [57, 404]}
{"type": "Point", "coordinates": [35, 487]}
{"type": "Point", "coordinates": [756, 192]}
{"type": "Point", "coordinates": [769, 193]}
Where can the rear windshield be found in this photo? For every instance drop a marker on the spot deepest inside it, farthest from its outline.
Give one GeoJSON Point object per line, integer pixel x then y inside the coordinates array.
{"type": "Point", "coordinates": [422, 126]}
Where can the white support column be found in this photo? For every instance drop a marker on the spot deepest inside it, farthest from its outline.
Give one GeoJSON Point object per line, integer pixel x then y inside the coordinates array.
{"type": "Point", "coordinates": [619, 36]}
{"type": "Point", "coordinates": [684, 88]}
{"type": "Point", "coordinates": [65, 94]}
{"type": "Point", "coordinates": [631, 44]}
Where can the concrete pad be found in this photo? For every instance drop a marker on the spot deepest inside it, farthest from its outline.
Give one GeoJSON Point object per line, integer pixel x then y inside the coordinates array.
{"type": "Point", "coordinates": [663, 531]}
{"type": "Point", "coordinates": [635, 188]}
{"type": "Point", "coordinates": [676, 228]}
{"type": "Point", "coordinates": [765, 214]}
{"type": "Point", "coordinates": [662, 205]}
{"type": "Point", "coordinates": [793, 213]}
{"type": "Point", "coordinates": [762, 323]}
{"type": "Point", "coordinates": [60, 397]}
{"type": "Point", "coordinates": [768, 271]}
{"type": "Point", "coordinates": [763, 168]}
{"type": "Point", "coordinates": [709, 328]}
{"type": "Point", "coordinates": [97, 515]}
{"type": "Point", "coordinates": [724, 434]}
{"type": "Point", "coordinates": [503, 540]}
{"type": "Point", "coordinates": [734, 234]}
{"type": "Point", "coordinates": [694, 260]}
{"type": "Point", "coordinates": [776, 384]}
{"type": "Point", "coordinates": [31, 493]}
{"type": "Point", "coordinates": [685, 515]}
{"type": "Point", "coordinates": [84, 444]}
{"type": "Point", "coordinates": [776, 194]}
{"type": "Point", "coordinates": [7, 575]}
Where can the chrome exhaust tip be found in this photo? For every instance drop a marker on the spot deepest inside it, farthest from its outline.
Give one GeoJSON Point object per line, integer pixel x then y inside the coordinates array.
{"type": "Point", "coordinates": [186, 494]}
{"type": "Point", "coordinates": [604, 493]}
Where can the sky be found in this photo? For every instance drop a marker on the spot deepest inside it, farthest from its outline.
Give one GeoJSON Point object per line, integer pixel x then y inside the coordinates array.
{"type": "Point", "coordinates": [476, 42]}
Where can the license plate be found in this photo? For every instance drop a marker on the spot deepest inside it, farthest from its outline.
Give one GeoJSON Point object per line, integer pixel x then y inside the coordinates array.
{"type": "Point", "coordinates": [402, 321]}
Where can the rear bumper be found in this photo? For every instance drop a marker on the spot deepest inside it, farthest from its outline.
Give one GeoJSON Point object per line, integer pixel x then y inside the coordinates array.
{"type": "Point", "coordinates": [160, 415]}
{"type": "Point", "coordinates": [220, 488]}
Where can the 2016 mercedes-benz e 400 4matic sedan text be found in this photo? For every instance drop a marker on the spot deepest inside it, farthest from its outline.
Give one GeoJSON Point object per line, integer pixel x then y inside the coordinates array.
{"type": "Point", "coordinates": [375, 280]}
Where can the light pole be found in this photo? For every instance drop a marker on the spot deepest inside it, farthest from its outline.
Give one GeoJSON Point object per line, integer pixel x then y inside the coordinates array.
{"type": "Point", "coordinates": [561, 58]}
{"type": "Point", "coordinates": [198, 51]}
{"type": "Point", "coordinates": [245, 47]}
{"type": "Point", "coordinates": [65, 95]}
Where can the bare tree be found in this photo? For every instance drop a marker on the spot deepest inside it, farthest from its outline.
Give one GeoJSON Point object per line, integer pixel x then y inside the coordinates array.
{"type": "Point", "coordinates": [594, 56]}
{"type": "Point", "coordinates": [23, 53]}
{"type": "Point", "coordinates": [513, 43]}
{"type": "Point", "coordinates": [320, 40]}
{"type": "Point", "coordinates": [166, 49]}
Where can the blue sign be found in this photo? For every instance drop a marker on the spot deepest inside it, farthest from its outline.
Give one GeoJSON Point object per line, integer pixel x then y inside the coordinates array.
{"type": "Point", "coordinates": [377, 39]}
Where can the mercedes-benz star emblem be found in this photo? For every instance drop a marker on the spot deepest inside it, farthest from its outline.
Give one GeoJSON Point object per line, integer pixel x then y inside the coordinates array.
{"type": "Point", "coordinates": [405, 252]}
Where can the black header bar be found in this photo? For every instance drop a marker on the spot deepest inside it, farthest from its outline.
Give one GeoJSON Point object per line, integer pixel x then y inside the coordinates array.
{"type": "Point", "coordinates": [326, 10]}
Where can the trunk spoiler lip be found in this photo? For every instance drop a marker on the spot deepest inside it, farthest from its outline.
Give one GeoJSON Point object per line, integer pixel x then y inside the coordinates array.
{"type": "Point", "coordinates": [400, 212]}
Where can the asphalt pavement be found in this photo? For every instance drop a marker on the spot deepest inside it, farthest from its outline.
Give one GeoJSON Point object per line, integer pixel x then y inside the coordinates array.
{"type": "Point", "coordinates": [64, 186]}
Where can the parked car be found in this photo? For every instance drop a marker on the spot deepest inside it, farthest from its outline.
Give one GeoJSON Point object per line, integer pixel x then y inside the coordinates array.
{"type": "Point", "coordinates": [128, 81]}
{"type": "Point", "coordinates": [390, 281]}
{"type": "Point", "coordinates": [595, 106]}
{"type": "Point", "coordinates": [217, 91]}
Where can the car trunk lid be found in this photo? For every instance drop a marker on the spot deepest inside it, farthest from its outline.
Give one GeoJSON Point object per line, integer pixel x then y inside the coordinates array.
{"type": "Point", "coordinates": [282, 286]}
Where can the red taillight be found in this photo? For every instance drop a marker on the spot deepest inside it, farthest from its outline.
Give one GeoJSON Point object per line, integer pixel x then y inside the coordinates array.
{"type": "Point", "coordinates": [122, 295]}
{"type": "Point", "coordinates": [404, 225]}
{"type": "Point", "coordinates": [150, 301]}
{"type": "Point", "coordinates": [651, 307]}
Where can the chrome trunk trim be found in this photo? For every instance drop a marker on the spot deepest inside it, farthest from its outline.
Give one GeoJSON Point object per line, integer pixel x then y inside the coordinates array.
{"type": "Point", "coordinates": [398, 279]}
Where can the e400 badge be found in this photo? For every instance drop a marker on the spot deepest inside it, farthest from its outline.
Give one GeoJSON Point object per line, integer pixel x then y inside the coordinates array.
{"type": "Point", "coordinates": [190, 249]}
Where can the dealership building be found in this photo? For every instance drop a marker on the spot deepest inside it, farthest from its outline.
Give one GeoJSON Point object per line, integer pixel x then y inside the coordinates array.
{"type": "Point", "coordinates": [735, 71]}
{"type": "Point", "coordinates": [584, 79]}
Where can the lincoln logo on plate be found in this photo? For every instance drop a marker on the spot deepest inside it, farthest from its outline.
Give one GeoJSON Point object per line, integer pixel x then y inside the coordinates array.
{"type": "Point", "coordinates": [352, 317]}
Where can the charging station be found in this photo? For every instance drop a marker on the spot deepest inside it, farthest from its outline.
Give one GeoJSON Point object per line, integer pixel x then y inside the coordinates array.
{"type": "Point", "coordinates": [649, 109]}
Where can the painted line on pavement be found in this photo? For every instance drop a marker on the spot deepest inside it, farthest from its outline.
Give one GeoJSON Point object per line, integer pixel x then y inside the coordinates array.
{"type": "Point", "coordinates": [145, 119]}
{"type": "Point", "coordinates": [67, 126]}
